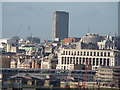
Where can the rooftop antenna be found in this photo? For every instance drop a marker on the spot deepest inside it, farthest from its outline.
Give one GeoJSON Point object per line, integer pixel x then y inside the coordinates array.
{"type": "Point", "coordinates": [88, 31]}
{"type": "Point", "coordinates": [29, 31]}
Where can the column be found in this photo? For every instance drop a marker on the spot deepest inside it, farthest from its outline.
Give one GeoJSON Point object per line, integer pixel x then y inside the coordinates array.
{"type": "Point", "coordinates": [81, 60]}
{"type": "Point", "coordinates": [91, 61]}
{"type": "Point", "coordinates": [72, 60]}
{"type": "Point", "coordinates": [75, 60]}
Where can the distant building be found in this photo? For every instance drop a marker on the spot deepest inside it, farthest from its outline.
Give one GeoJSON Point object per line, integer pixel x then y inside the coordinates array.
{"type": "Point", "coordinates": [60, 25]}
{"type": "Point", "coordinates": [8, 44]}
{"type": "Point", "coordinates": [67, 58]}
{"type": "Point", "coordinates": [68, 40]}
{"type": "Point", "coordinates": [5, 59]}
{"type": "Point", "coordinates": [89, 41]}
{"type": "Point", "coordinates": [46, 63]}
{"type": "Point", "coordinates": [33, 39]}
{"type": "Point", "coordinates": [109, 74]}
{"type": "Point", "coordinates": [94, 41]}
{"type": "Point", "coordinates": [30, 49]}
{"type": "Point", "coordinates": [25, 61]}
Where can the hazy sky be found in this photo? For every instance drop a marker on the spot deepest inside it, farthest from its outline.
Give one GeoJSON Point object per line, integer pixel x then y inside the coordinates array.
{"type": "Point", "coordinates": [99, 17]}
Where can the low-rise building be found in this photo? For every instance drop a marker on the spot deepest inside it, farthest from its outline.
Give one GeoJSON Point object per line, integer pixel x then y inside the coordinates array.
{"type": "Point", "coordinates": [108, 73]}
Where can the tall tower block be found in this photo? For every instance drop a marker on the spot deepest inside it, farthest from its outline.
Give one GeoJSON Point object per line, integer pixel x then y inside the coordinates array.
{"type": "Point", "coordinates": [60, 25]}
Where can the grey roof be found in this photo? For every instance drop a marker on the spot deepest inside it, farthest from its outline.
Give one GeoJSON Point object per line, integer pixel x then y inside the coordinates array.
{"type": "Point", "coordinates": [91, 38]}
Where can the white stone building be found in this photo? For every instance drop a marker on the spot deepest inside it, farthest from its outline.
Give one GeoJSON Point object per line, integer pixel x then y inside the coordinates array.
{"type": "Point", "coordinates": [67, 58]}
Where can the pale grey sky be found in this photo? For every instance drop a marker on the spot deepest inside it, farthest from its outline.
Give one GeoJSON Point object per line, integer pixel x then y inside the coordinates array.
{"type": "Point", "coordinates": [99, 17]}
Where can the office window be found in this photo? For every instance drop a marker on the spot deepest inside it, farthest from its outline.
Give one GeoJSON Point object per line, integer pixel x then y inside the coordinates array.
{"type": "Point", "coordinates": [90, 53]}
{"type": "Point", "coordinates": [108, 62]}
{"type": "Point", "coordinates": [87, 53]}
{"type": "Point", "coordinates": [76, 60]}
{"type": "Point", "coordinates": [100, 61]}
{"type": "Point", "coordinates": [78, 53]}
{"type": "Point", "coordinates": [89, 61]}
{"type": "Point", "coordinates": [73, 60]}
{"type": "Point", "coordinates": [94, 53]}
{"type": "Point", "coordinates": [101, 53]}
{"type": "Point", "coordinates": [84, 53]}
{"type": "Point", "coordinates": [104, 53]}
{"type": "Point", "coordinates": [83, 60]}
{"type": "Point", "coordinates": [67, 60]}
{"type": "Point", "coordinates": [97, 61]}
{"type": "Point", "coordinates": [69, 52]}
{"type": "Point", "coordinates": [108, 54]}
{"type": "Point", "coordinates": [104, 61]}
{"type": "Point", "coordinates": [97, 53]}
{"type": "Point", "coordinates": [81, 53]}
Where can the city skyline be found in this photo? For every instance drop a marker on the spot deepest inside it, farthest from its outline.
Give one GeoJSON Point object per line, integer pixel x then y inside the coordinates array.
{"type": "Point", "coordinates": [93, 17]}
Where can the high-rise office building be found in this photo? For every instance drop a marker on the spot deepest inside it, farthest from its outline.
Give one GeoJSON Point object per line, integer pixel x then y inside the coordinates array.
{"type": "Point", "coordinates": [118, 43]}
{"type": "Point", "coordinates": [60, 25]}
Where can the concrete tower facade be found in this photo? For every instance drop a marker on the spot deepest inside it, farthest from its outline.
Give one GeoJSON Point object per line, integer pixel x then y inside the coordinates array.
{"type": "Point", "coordinates": [60, 25]}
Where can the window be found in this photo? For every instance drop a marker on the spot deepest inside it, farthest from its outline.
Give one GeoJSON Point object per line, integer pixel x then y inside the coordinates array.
{"type": "Point", "coordinates": [101, 53]}
{"type": "Point", "coordinates": [73, 60]}
{"type": "Point", "coordinates": [100, 61]}
{"type": "Point", "coordinates": [93, 61]}
{"type": "Point", "coordinates": [78, 53]}
{"type": "Point", "coordinates": [90, 53]}
{"type": "Point", "coordinates": [97, 53]}
{"type": "Point", "coordinates": [77, 60]}
{"type": "Point", "coordinates": [69, 52]}
{"type": "Point", "coordinates": [81, 53]}
{"type": "Point", "coordinates": [94, 53]}
{"type": "Point", "coordinates": [84, 53]}
{"type": "Point", "coordinates": [87, 53]}
{"type": "Point", "coordinates": [108, 62]}
{"type": "Point", "coordinates": [67, 60]}
{"type": "Point", "coordinates": [83, 60]}
{"type": "Point", "coordinates": [97, 62]}
{"type": "Point", "coordinates": [104, 53]}
{"type": "Point", "coordinates": [89, 61]}
{"type": "Point", "coordinates": [104, 62]}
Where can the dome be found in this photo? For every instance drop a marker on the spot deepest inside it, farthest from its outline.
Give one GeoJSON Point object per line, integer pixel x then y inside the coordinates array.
{"type": "Point", "coordinates": [91, 38]}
